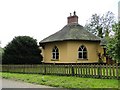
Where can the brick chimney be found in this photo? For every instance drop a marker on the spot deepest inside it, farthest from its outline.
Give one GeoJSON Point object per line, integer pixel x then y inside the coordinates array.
{"type": "Point", "coordinates": [72, 19]}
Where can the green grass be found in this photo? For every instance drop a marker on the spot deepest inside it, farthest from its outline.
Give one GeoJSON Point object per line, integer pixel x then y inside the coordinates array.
{"type": "Point", "coordinates": [63, 81]}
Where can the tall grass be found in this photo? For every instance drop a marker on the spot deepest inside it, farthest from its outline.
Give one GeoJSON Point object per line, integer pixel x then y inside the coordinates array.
{"type": "Point", "coordinates": [63, 81]}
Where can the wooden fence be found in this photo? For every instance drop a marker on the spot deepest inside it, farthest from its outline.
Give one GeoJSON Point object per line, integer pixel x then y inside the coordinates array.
{"type": "Point", "coordinates": [90, 70]}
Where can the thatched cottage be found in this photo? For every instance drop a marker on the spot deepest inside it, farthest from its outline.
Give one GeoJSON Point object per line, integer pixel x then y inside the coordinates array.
{"type": "Point", "coordinates": [72, 44]}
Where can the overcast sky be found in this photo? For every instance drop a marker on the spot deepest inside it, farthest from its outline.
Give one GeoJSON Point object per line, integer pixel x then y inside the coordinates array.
{"type": "Point", "coordinates": [41, 18]}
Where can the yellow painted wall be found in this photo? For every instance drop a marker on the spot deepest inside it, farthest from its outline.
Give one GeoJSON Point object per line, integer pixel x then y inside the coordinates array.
{"type": "Point", "coordinates": [47, 52]}
{"type": "Point", "coordinates": [68, 51]}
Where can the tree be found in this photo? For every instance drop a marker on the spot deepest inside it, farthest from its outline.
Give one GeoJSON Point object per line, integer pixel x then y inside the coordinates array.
{"type": "Point", "coordinates": [1, 52]}
{"type": "Point", "coordinates": [101, 25]}
{"type": "Point", "coordinates": [22, 50]}
{"type": "Point", "coordinates": [113, 45]}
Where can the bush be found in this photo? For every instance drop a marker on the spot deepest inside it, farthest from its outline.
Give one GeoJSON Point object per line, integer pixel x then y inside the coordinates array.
{"type": "Point", "coordinates": [22, 50]}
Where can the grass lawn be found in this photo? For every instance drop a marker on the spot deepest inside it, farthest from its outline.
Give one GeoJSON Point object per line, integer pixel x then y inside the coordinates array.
{"type": "Point", "coordinates": [62, 81]}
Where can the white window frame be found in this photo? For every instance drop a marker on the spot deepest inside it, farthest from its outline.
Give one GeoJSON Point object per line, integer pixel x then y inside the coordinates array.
{"type": "Point", "coordinates": [82, 52]}
{"type": "Point", "coordinates": [54, 53]}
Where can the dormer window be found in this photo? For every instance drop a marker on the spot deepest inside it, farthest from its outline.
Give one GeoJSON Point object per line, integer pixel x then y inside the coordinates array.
{"type": "Point", "coordinates": [55, 53]}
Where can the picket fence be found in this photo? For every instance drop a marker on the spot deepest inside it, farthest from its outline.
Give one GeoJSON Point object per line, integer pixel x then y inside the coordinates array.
{"type": "Point", "coordinates": [82, 70]}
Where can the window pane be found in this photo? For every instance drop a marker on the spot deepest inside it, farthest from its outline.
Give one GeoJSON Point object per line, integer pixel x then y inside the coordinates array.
{"type": "Point", "coordinates": [53, 55]}
{"type": "Point", "coordinates": [82, 46]}
{"type": "Point", "coordinates": [56, 50]}
{"type": "Point", "coordinates": [79, 49]}
{"type": "Point", "coordinates": [80, 55]}
{"type": "Point", "coordinates": [55, 47]}
{"type": "Point", "coordinates": [53, 50]}
{"type": "Point", "coordinates": [57, 54]}
{"type": "Point", "coordinates": [84, 49]}
{"type": "Point", "coordinates": [57, 57]}
{"type": "Point", "coordinates": [85, 55]}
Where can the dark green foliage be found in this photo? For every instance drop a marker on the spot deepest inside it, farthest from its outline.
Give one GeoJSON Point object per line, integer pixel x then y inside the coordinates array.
{"type": "Point", "coordinates": [113, 45]}
{"type": "Point", "coordinates": [118, 42]}
{"type": "Point", "coordinates": [1, 52]}
{"type": "Point", "coordinates": [22, 50]}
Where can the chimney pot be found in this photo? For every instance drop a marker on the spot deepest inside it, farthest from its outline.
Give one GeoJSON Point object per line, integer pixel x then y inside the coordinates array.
{"type": "Point", "coordinates": [72, 19]}
{"type": "Point", "coordinates": [74, 13]}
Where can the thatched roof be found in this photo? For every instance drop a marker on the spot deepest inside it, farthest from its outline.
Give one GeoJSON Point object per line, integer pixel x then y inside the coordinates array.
{"type": "Point", "coordinates": [72, 31]}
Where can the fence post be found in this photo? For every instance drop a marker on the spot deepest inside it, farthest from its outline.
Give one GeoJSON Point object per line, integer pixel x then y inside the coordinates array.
{"type": "Point", "coordinates": [117, 74]}
{"type": "Point", "coordinates": [73, 73]}
{"type": "Point", "coordinates": [8, 68]}
{"type": "Point", "coordinates": [44, 69]}
{"type": "Point", "coordinates": [99, 71]}
{"type": "Point", "coordinates": [24, 68]}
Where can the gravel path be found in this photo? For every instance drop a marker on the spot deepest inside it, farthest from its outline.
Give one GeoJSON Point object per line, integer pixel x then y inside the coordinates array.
{"type": "Point", "coordinates": [7, 83]}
